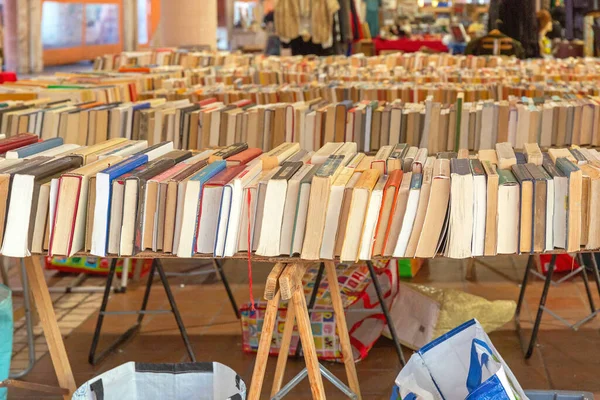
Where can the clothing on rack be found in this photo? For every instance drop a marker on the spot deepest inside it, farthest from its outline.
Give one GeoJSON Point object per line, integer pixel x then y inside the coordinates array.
{"type": "Point", "coordinates": [372, 16]}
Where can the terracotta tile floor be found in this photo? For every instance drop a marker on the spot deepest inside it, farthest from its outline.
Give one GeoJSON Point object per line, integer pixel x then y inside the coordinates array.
{"type": "Point", "coordinates": [563, 359]}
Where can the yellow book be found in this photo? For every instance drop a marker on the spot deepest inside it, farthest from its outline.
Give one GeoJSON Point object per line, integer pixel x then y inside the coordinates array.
{"type": "Point", "coordinates": [89, 153]}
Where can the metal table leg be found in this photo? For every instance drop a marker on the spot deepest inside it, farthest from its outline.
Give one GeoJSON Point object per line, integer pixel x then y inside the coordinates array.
{"type": "Point", "coordinates": [156, 267]}
{"type": "Point", "coordinates": [586, 282]}
{"type": "Point", "coordinates": [219, 268]}
{"type": "Point", "coordinates": [386, 313]}
{"type": "Point", "coordinates": [175, 310]}
{"type": "Point", "coordinates": [538, 319]}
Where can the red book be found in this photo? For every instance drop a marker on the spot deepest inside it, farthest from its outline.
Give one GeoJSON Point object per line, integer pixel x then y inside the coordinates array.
{"type": "Point", "coordinates": [244, 157]}
{"type": "Point", "coordinates": [17, 141]}
{"type": "Point", "coordinates": [242, 103]}
{"type": "Point", "coordinates": [205, 102]}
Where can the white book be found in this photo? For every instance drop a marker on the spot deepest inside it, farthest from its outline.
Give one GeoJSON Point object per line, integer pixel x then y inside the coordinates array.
{"type": "Point", "coordinates": [289, 211]}
{"type": "Point", "coordinates": [409, 215]}
{"type": "Point", "coordinates": [301, 213]}
{"type": "Point", "coordinates": [208, 220]}
{"type": "Point", "coordinates": [116, 217]}
{"type": "Point", "coordinates": [18, 217]}
{"type": "Point", "coordinates": [57, 151]}
{"type": "Point", "coordinates": [561, 196]}
{"type": "Point", "coordinates": [508, 219]}
{"type": "Point", "coordinates": [368, 235]}
{"type": "Point", "coordinates": [479, 215]}
{"type": "Point", "coordinates": [487, 117]}
{"type": "Point", "coordinates": [131, 149]}
{"type": "Point", "coordinates": [309, 131]}
{"type": "Point", "coordinates": [549, 215]}
{"type": "Point", "coordinates": [513, 117]}
{"type": "Point", "coordinates": [158, 151]}
{"type": "Point", "coordinates": [229, 221]}
{"type": "Point", "coordinates": [547, 124]}
{"type": "Point", "coordinates": [324, 152]}
{"type": "Point", "coordinates": [130, 202]}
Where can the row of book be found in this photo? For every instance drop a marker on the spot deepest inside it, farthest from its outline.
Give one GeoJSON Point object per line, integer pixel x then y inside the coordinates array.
{"type": "Point", "coordinates": [396, 65]}
{"type": "Point", "coordinates": [122, 197]}
{"type": "Point", "coordinates": [372, 124]}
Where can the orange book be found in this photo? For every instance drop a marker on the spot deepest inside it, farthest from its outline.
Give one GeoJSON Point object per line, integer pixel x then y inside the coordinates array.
{"type": "Point", "coordinates": [390, 194]}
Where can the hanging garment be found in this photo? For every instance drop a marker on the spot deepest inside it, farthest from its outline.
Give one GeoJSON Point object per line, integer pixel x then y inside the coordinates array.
{"type": "Point", "coordinates": [372, 16]}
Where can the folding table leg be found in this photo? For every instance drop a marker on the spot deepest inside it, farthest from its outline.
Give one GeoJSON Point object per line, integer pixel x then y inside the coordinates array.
{"type": "Point", "coordinates": [45, 309]}
{"type": "Point", "coordinates": [312, 301]}
{"type": "Point", "coordinates": [175, 309]}
{"type": "Point", "coordinates": [92, 358]}
{"type": "Point", "coordinates": [310, 352]}
{"type": "Point", "coordinates": [284, 349]}
{"type": "Point", "coordinates": [386, 313]}
{"type": "Point", "coordinates": [596, 271]}
{"type": "Point", "coordinates": [272, 294]}
{"type": "Point", "coordinates": [219, 268]}
{"type": "Point", "coordinates": [342, 327]}
{"type": "Point", "coordinates": [586, 282]}
{"type": "Point", "coordinates": [538, 319]}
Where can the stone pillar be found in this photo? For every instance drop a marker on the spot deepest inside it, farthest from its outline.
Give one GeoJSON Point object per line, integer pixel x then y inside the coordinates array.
{"type": "Point", "coordinates": [188, 23]}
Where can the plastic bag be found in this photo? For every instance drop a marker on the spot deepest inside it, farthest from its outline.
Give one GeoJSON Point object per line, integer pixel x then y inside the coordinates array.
{"type": "Point", "coordinates": [462, 364]}
{"type": "Point", "coordinates": [136, 381]}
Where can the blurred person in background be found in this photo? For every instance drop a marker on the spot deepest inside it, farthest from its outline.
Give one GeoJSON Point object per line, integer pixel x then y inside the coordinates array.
{"type": "Point", "coordinates": [519, 21]}
{"type": "Point", "coordinates": [544, 26]}
{"type": "Point", "coordinates": [273, 47]}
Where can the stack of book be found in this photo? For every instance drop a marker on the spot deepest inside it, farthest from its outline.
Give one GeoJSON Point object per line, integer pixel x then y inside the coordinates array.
{"type": "Point", "coordinates": [123, 197]}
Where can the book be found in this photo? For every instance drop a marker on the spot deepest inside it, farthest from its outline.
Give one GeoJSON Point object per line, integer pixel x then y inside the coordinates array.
{"type": "Point", "coordinates": [508, 212]}
{"type": "Point", "coordinates": [422, 206]}
{"type": "Point", "coordinates": [437, 209]}
{"type": "Point", "coordinates": [317, 209]}
{"type": "Point", "coordinates": [460, 228]}
{"type": "Point", "coordinates": [26, 205]}
{"type": "Point", "coordinates": [277, 186]}
{"type": "Point", "coordinates": [388, 202]}
{"type": "Point", "coordinates": [480, 208]}
{"type": "Point", "coordinates": [210, 205]}
{"type": "Point", "coordinates": [526, 201]}
{"type": "Point", "coordinates": [358, 210]}
{"type": "Point", "coordinates": [103, 191]}
{"type": "Point", "coordinates": [371, 217]}
{"type": "Point", "coordinates": [410, 214]}
{"type": "Point", "coordinates": [35, 148]}
{"type": "Point", "coordinates": [491, 215]}
{"type": "Point", "coordinates": [68, 226]}
{"type": "Point", "coordinates": [574, 195]}
{"type": "Point", "coordinates": [290, 208]}
{"type": "Point", "coordinates": [301, 217]}
{"type": "Point", "coordinates": [134, 201]}
{"type": "Point", "coordinates": [533, 153]}
{"type": "Point", "coordinates": [227, 152]}
{"type": "Point", "coordinates": [560, 184]}
{"type": "Point", "coordinates": [174, 201]}
{"type": "Point", "coordinates": [540, 194]}
{"type": "Point", "coordinates": [230, 216]}
{"type": "Point", "coordinates": [506, 155]}
{"type": "Point", "coordinates": [187, 237]}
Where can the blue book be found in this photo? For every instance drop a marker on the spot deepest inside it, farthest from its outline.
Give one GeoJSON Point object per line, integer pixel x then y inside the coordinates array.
{"type": "Point", "coordinates": [34, 148]}
{"type": "Point", "coordinates": [191, 207]}
{"type": "Point", "coordinates": [104, 181]}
